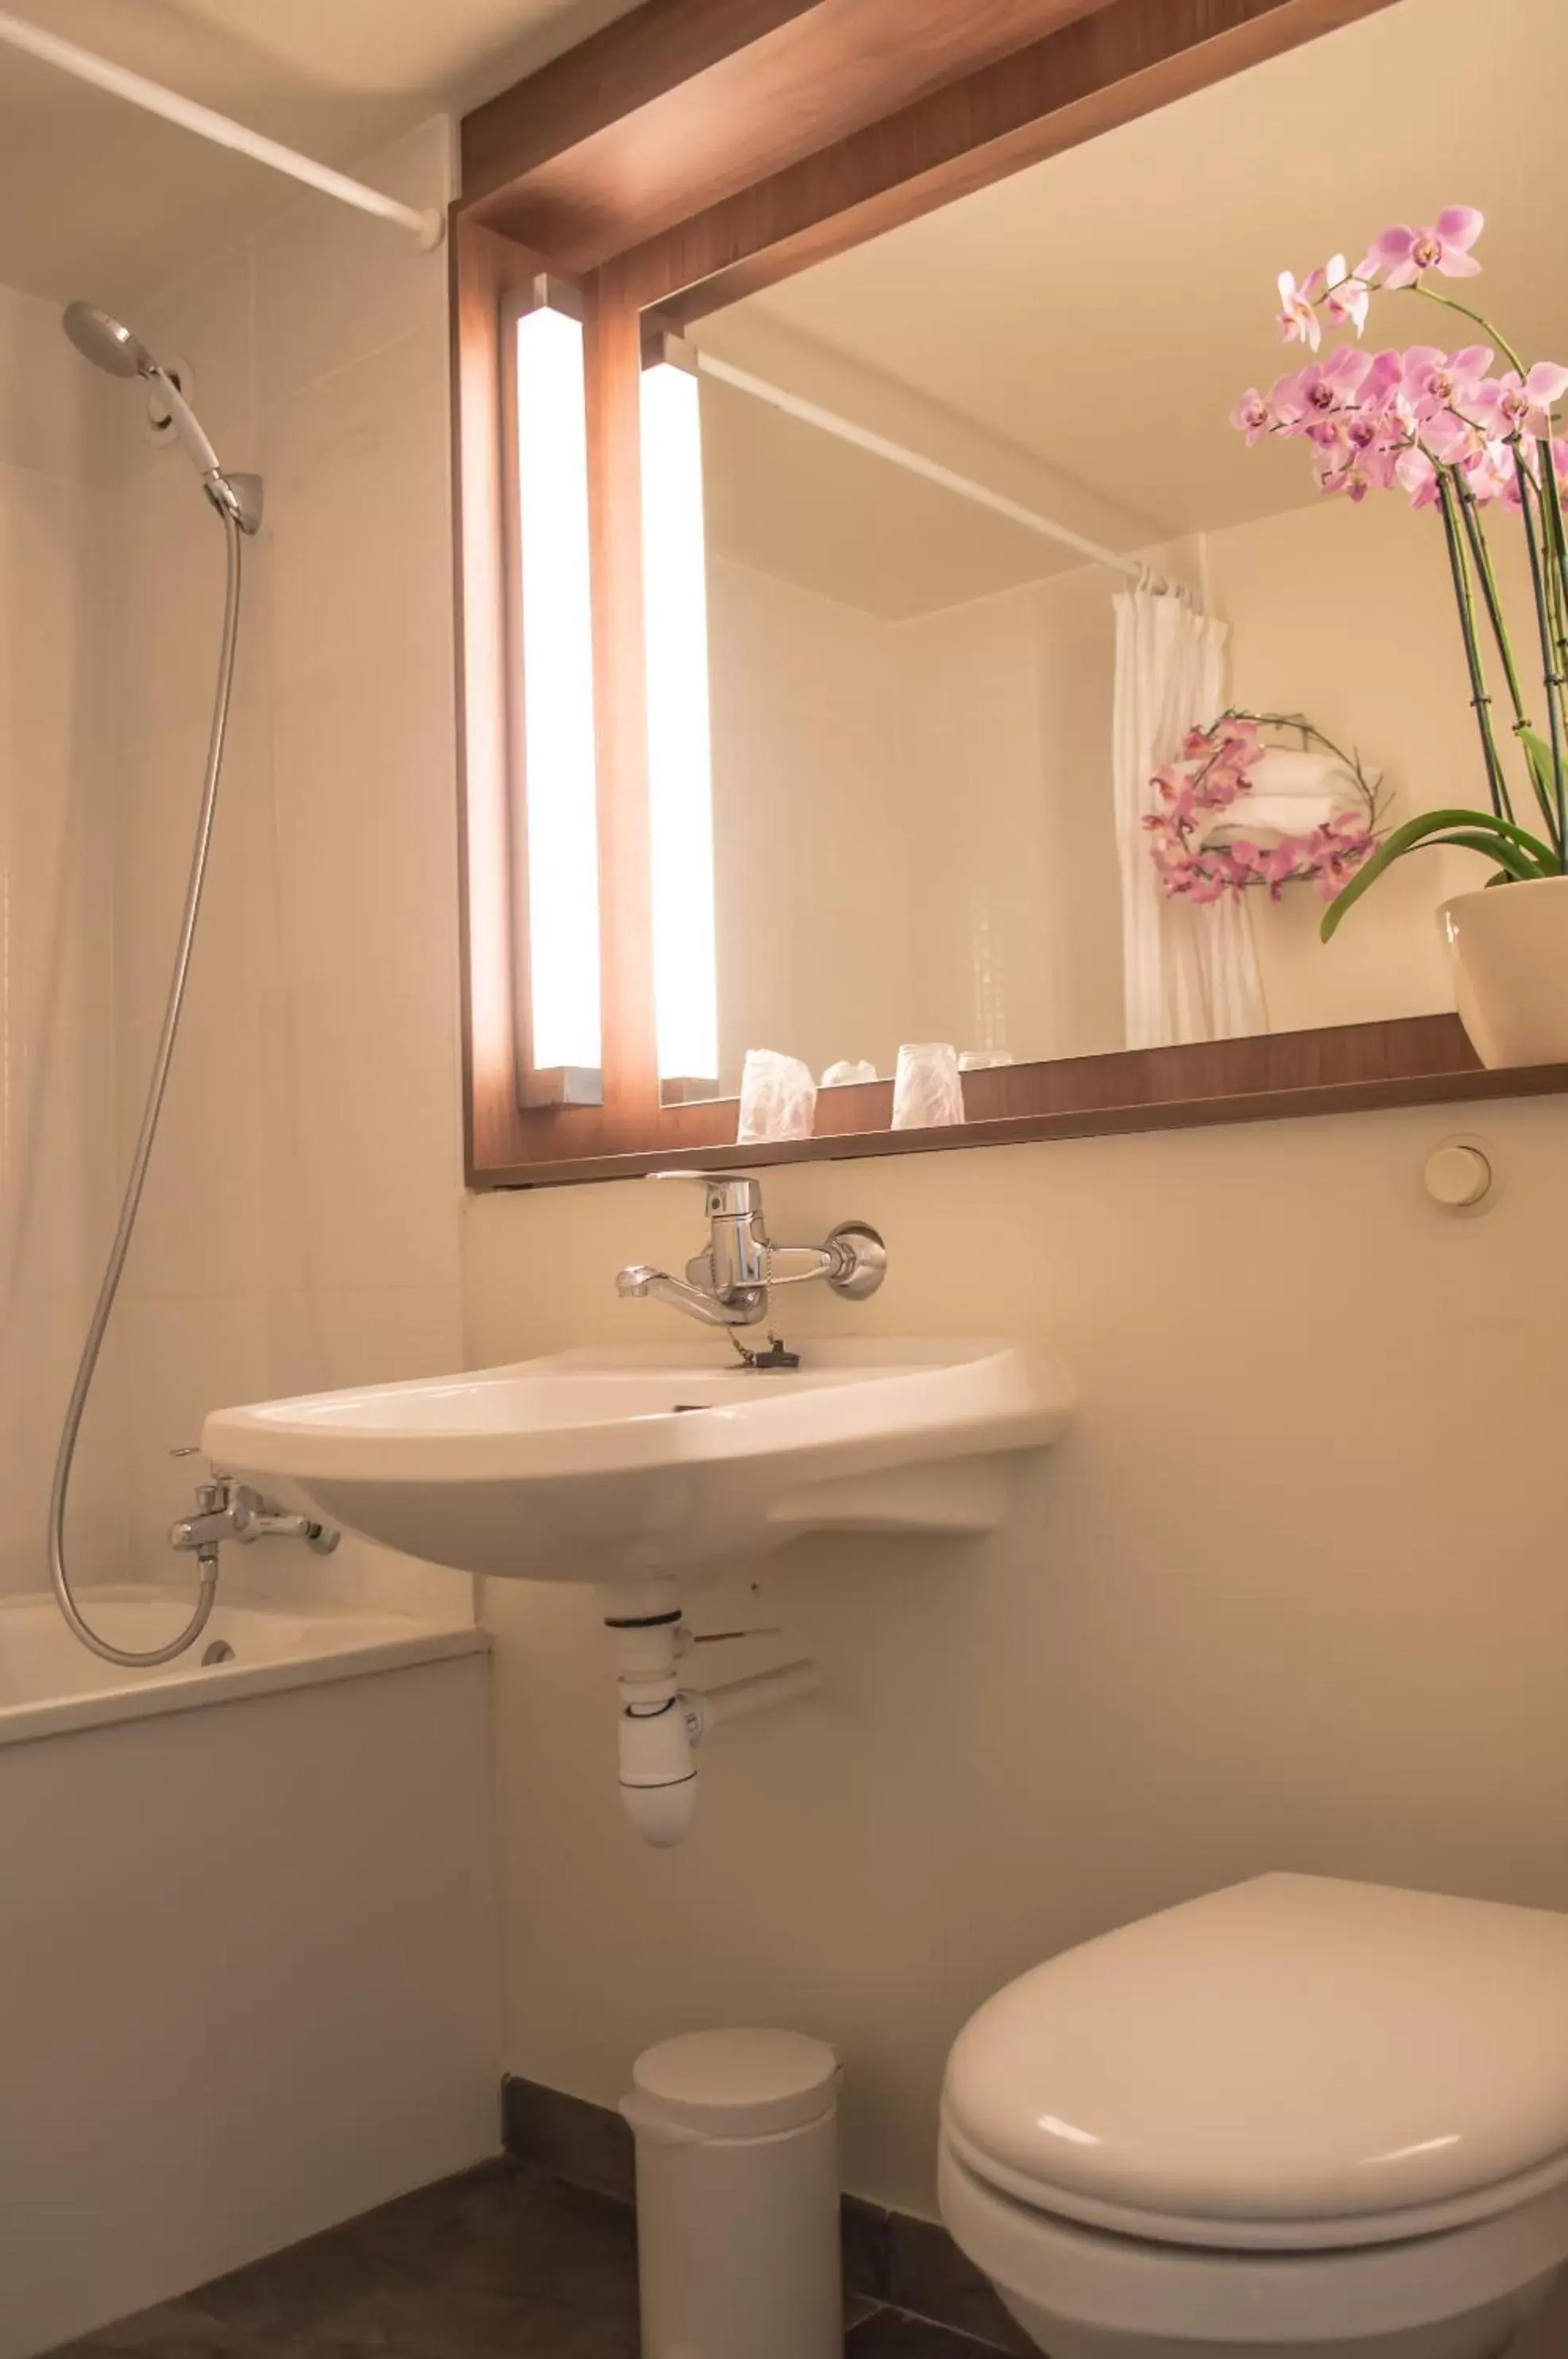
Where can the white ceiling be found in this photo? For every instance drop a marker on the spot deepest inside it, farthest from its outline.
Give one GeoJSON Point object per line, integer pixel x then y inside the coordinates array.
{"type": "Point", "coordinates": [1102, 312]}
{"type": "Point", "coordinates": [95, 198]}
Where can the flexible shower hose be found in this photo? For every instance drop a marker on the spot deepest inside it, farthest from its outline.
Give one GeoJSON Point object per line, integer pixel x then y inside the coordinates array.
{"type": "Point", "coordinates": [93, 1348]}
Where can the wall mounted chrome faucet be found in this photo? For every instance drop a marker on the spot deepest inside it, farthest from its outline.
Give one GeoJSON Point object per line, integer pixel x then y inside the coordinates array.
{"type": "Point", "coordinates": [227, 1510]}
{"type": "Point", "coordinates": [730, 1285]}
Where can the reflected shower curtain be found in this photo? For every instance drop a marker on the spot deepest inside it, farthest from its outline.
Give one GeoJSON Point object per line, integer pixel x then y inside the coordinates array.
{"type": "Point", "coordinates": [1190, 972]}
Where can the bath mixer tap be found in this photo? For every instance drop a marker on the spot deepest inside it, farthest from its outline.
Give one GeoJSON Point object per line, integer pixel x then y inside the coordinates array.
{"type": "Point", "coordinates": [227, 1510]}
{"type": "Point", "coordinates": [729, 1284]}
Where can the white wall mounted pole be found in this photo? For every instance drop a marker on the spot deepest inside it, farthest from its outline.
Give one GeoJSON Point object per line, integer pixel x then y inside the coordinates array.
{"type": "Point", "coordinates": [844, 429]}
{"type": "Point", "coordinates": [790, 1683]}
{"type": "Point", "coordinates": [429, 226]}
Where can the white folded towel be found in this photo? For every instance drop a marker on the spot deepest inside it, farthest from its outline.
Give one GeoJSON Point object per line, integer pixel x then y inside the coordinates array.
{"type": "Point", "coordinates": [1289, 794]}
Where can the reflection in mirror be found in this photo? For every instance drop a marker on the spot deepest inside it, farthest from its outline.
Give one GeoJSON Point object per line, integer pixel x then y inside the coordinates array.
{"type": "Point", "coordinates": [983, 545]}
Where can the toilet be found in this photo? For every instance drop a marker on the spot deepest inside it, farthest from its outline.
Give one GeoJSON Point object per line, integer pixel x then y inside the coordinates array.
{"type": "Point", "coordinates": [1299, 2117]}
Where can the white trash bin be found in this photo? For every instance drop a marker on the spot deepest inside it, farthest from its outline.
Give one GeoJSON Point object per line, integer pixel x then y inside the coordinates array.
{"type": "Point", "coordinates": [737, 2197]}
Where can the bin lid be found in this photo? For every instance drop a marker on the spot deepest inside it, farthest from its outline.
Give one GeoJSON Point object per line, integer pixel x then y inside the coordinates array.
{"type": "Point", "coordinates": [738, 2085]}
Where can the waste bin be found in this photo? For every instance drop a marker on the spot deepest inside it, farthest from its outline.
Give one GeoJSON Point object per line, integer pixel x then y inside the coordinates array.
{"type": "Point", "coordinates": [737, 2196]}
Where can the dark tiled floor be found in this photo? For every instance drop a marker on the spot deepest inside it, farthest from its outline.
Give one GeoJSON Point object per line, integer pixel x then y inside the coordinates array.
{"type": "Point", "coordinates": [501, 2264]}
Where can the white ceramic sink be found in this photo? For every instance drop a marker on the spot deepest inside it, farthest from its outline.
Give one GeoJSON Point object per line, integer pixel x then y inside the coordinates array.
{"type": "Point", "coordinates": [617, 1465]}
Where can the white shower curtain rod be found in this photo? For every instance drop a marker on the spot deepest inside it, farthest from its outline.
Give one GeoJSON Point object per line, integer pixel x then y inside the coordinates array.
{"type": "Point", "coordinates": [428, 227]}
{"type": "Point", "coordinates": [845, 430]}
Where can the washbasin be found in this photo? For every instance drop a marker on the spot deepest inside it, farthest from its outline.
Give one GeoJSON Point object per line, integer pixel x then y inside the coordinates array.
{"type": "Point", "coordinates": [623, 1464]}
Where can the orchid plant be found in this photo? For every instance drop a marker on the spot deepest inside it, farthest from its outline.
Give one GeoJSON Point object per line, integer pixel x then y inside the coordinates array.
{"type": "Point", "coordinates": [1464, 436]}
{"type": "Point", "coordinates": [1210, 780]}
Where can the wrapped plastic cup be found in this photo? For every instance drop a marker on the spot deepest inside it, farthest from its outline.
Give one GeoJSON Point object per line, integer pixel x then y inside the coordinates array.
{"type": "Point", "coordinates": [848, 1068]}
{"type": "Point", "coordinates": [778, 1098]}
{"type": "Point", "coordinates": [926, 1091]}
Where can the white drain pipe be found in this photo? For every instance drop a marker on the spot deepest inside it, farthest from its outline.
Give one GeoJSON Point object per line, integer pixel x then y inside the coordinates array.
{"type": "Point", "coordinates": [661, 1725]}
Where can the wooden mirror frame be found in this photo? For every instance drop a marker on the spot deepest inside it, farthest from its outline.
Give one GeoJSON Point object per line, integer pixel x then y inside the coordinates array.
{"type": "Point", "coordinates": [688, 154]}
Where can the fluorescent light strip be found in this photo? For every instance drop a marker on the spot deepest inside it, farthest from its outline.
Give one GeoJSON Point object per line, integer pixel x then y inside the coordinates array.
{"type": "Point", "coordinates": [558, 694]}
{"type": "Point", "coordinates": [680, 758]}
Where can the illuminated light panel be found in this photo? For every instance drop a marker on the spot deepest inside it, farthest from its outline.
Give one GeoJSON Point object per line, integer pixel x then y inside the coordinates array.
{"type": "Point", "coordinates": [557, 693]}
{"type": "Point", "coordinates": [679, 755]}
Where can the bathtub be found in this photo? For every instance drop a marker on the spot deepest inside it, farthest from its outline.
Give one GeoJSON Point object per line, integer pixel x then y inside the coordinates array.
{"type": "Point", "coordinates": [249, 1974]}
{"type": "Point", "coordinates": [50, 1685]}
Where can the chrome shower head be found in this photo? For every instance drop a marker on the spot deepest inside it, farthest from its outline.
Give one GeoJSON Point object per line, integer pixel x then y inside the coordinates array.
{"type": "Point", "coordinates": [109, 344]}
{"type": "Point", "coordinates": [106, 342]}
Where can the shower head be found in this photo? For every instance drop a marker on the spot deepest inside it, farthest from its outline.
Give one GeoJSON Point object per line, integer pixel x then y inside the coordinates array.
{"type": "Point", "coordinates": [109, 344]}
{"type": "Point", "coordinates": [106, 343]}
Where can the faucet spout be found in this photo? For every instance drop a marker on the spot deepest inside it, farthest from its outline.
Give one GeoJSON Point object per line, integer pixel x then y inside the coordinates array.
{"type": "Point", "coordinates": [728, 1284]}
{"type": "Point", "coordinates": [744, 1308]}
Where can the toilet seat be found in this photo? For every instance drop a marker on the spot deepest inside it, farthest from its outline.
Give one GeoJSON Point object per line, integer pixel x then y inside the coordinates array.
{"type": "Point", "coordinates": [1342, 2234]}
{"type": "Point", "coordinates": [1294, 2064]}
{"type": "Point", "coordinates": [1125, 2286]}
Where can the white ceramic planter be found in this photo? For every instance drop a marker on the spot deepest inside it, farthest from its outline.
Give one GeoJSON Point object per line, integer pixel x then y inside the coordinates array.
{"type": "Point", "coordinates": [1509, 947]}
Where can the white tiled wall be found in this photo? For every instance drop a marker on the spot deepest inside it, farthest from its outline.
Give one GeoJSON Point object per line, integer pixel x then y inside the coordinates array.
{"type": "Point", "coordinates": [301, 1226]}
{"type": "Point", "coordinates": [56, 1042]}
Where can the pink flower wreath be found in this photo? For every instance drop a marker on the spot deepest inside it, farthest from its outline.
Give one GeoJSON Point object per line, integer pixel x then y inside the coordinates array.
{"type": "Point", "coordinates": [1211, 775]}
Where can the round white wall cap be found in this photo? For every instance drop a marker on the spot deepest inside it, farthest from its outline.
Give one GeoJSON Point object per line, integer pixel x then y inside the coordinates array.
{"type": "Point", "coordinates": [1457, 1175]}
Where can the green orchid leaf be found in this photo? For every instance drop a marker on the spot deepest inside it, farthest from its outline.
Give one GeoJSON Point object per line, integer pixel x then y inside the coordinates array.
{"type": "Point", "coordinates": [1543, 774]}
{"type": "Point", "coordinates": [1495, 832]}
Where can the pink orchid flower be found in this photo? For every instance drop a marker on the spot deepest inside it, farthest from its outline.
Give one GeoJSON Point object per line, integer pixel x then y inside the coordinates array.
{"type": "Point", "coordinates": [1455, 441]}
{"type": "Point", "coordinates": [1378, 465]}
{"type": "Point", "coordinates": [1299, 324]}
{"type": "Point", "coordinates": [1346, 371]}
{"type": "Point", "coordinates": [1403, 253]}
{"type": "Point", "coordinates": [1254, 416]}
{"type": "Point", "coordinates": [1418, 476]}
{"type": "Point", "coordinates": [1321, 389]}
{"type": "Point", "coordinates": [1355, 479]}
{"type": "Point", "coordinates": [1491, 474]}
{"type": "Point", "coordinates": [1430, 380]}
{"type": "Point", "coordinates": [1364, 430]}
{"type": "Point", "coordinates": [1382, 378]}
{"type": "Point", "coordinates": [1523, 405]}
{"type": "Point", "coordinates": [1234, 731]}
{"type": "Point", "coordinates": [1345, 298]}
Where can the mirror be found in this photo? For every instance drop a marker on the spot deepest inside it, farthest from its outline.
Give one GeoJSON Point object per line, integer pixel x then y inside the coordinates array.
{"type": "Point", "coordinates": [983, 544]}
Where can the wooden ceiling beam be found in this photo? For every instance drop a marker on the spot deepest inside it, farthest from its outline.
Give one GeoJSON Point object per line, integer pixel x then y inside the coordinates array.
{"type": "Point", "coordinates": [684, 102]}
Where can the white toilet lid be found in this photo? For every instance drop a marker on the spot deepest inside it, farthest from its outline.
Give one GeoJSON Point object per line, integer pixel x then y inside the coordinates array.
{"type": "Point", "coordinates": [1293, 2061]}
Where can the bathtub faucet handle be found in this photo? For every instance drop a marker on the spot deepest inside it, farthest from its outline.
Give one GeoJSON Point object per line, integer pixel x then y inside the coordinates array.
{"type": "Point", "coordinates": [229, 1510]}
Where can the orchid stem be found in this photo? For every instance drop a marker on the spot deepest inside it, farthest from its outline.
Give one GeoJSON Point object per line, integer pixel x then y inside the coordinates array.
{"type": "Point", "coordinates": [1550, 650]}
{"type": "Point", "coordinates": [1474, 533]}
{"type": "Point", "coordinates": [1557, 580]}
{"type": "Point", "coordinates": [1464, 311]}
{"type": "Point", "coordinates": [1480, 700]}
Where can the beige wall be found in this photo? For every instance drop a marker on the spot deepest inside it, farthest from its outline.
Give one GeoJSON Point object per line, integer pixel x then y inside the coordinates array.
{"type": "Point", "coordinates": [55, 1026]}
{"type": "Point", "coordinates": [1290, 1594]}
{"type": "Point", "coordinates": [814, 863]}
{"type": "Point", "coordinates": [1005, 730]}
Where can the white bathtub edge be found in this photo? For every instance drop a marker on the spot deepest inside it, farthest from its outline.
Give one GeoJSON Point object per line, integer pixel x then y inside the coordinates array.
{"type": "Point", "coordinates": [233, 1683]}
